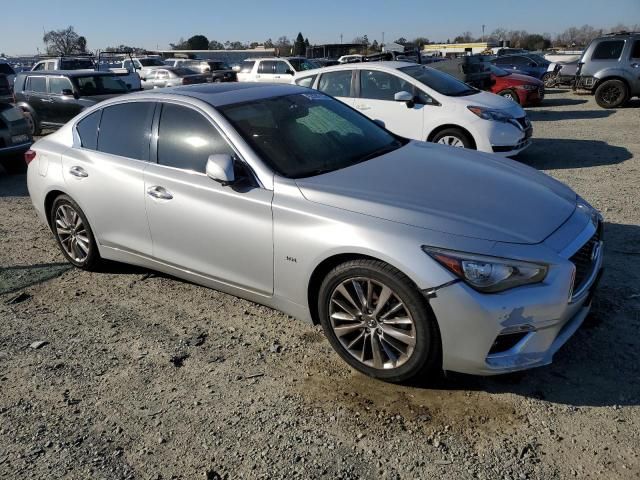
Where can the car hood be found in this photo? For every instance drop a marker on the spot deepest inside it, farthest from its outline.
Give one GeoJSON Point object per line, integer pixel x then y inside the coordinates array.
{"type": "Point", "coordinates": [490, 100]}
{"type": "Point", "coordinates": [525, 79]}
{"type": "Point", "coordinates": [441, 188]}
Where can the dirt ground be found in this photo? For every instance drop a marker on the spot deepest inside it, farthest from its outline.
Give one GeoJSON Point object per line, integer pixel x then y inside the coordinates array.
{"type": "Point", "coordinates": [145, 376]}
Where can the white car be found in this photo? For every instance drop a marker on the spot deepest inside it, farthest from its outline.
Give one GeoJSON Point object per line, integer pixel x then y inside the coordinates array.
{"type": "Point", "coordinates": [273, 69]}
{"type": "Point", "coordinates": [351, 58]}
{"type": "Point", "coordinates": [421, 103]}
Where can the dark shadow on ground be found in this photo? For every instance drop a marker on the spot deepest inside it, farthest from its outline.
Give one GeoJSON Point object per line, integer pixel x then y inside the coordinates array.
{"type": "Point", "coordinates": [560, 102]}
{"type": "Point", "coordinates": [16, 278]}
{"type": "Point", "coordinates": [600, 364]}
{"type": "Point", "coordinates": [13, 185]}
{"type": "Point", "coordinates": [558, 153]}
{"type": "Point", "coordinates": [554, 116]}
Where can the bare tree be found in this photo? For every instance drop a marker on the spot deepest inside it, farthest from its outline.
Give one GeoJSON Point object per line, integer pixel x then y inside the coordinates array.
{"type": "Point", "coordinates": [64, 42]}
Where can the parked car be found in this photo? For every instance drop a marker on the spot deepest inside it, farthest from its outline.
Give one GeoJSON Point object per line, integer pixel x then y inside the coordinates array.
{"type": "Point", "coordinates": [221, 72]}
{"type": "Point", "coordinates": [51, 98]}
{"type": "Point", "coordinates": [171, 77]}
{"type": "Point", "coordinates": [6, 92]}
{"type": "Point", "coordinates": [530, 64]}
{"type": "Point", "coordinates": [8, 70]}
{"type": "Point", "coordinates": [560, 73]}
{"type": "Point", "coordinates": [325, 62]}
{"type": "Point", "coordinates": [142, 65]}
{"type": "Point", "coordinates": [15, 138]}
{"type": "Point", "coordinates": [413, 257]}
{"type": "Point", "coordinates": [472, 70]}
{"type": "Point", "coordinates": [419, 102]}
{"type": "Point", "coordinates": [273, 69]}
{"type": "Point", "coordinates": [197, 65]}
{"type": "Point", "coordinates": [351, 58]}
{"type": "Point", "coordinates": [610, 69]}
{"type": "Point", "coordinates": [522, 89]}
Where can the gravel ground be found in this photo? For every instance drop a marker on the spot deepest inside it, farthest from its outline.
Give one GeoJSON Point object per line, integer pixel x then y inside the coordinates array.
{"type": "Point", "coordinates": [145, 376]}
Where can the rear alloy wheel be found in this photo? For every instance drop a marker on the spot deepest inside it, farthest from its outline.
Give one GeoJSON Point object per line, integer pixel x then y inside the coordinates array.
{"type": "Point", "coordinates": [510, 95]}
{"type": "Point", "coordinates": [453, 137]}
{"type": "Point", "coordinates": [377, 321]}
{"type": "Point", "coordinates": [612, 93]}
{"type": "Point", "coordinates": [73, 233]}
{"type": "Point", "coordinates": [549, 79]}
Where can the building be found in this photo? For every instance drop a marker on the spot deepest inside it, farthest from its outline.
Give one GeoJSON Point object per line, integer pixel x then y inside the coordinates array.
{"type": "Point", "coordinates": [456, 49]}
{"type": "Point", "coordinates": [336, 50]}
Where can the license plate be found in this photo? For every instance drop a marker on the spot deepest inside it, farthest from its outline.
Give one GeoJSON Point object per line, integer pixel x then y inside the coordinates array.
{"type": "Point", "coordinates": [19, 138]}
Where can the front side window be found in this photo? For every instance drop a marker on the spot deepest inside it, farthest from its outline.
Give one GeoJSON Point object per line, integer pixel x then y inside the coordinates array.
{"type": "Point", "coordinates": [308, 134]}
{"type": "Point", "coordinates": [301, 64]}
{"type": "Point", "coordinates": [441, 82]}
{"type": "Point", "coordinates": [39, 66]}
{"type": "Point", "coordinates": [247, 66]}
{"type": "Point", "coordinates": [381, 85]}
{"type": "Point", "coordinates": [267, 66]}
{"type": "Point", "coordinates": [306, 81]}
{"type": "Point", "coordinates": [608, 50]}
{"type": "Point", "coordinates": [100, 85]}
{"type": "Point", "coordinates": [37, 84]}
{"type": "Point", "coordinates": [125, 130]}
{"type": "Point", "coordinates": [336, 84]}
{"type": "Point", "coordinates": [186, 139]}
{"type": "Point", "coordinates": [58, 84]}
{"type": "Point", "coordinates": [88, 130]}
{"type": "Point", "coordinates": [282, 68]}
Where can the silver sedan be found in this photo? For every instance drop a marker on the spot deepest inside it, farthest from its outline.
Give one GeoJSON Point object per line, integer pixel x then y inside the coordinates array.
{"type": "Point", "coordinates": [413, 257]}
{"type": "Point", "coordinates": [171, 77]}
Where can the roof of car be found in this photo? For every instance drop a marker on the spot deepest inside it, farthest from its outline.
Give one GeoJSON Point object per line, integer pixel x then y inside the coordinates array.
{"type": "Point", "coordinates": [393, 65]}
{"type": "Point", "coordinates": [220, 94]}
{"type": "Point", "coordinates": [67, 73]}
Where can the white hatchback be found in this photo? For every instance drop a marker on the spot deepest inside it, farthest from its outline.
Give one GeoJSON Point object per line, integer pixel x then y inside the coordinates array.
{"type": "Point", "coordinates": [422, 103]}
{"type": "Point", "coordinates": [273, 69]}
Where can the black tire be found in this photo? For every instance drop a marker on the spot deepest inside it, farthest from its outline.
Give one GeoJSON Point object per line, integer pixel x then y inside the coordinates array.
{"type": "Point", "coordinates": [217, 80]}
{"type": "Point", "coordinates": [34, 125]}
{"type": "Point", "coordinates": [550, 79]}
{"type": "Point", "coordinates": [92, 259]}
{"type": "Point", "coordinates": [425, 358]}
{"type": "Point", "coordinates": [511, 95]}
{"type": "Point", "coordinates": [612, 93]}
{"type": "Point", "coordinates": [455, 133]}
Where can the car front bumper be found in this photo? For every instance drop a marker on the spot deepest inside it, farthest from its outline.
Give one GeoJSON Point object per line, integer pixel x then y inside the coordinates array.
{"type": "Point", "coordinates": [504, 139]}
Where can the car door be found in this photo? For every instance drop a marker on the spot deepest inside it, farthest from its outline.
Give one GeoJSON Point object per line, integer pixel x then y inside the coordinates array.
{"type": "Point", "coordinates": [266, 71]}
{"type": "Point", "coordinates": [37, 96]}
{"type": "Point", "coordinates": [103, 173]}
{"type": "Point", "coordinates": [197, 224]}
{"type": "Point", "coordinates": [283, 72]}
{"type": "Point", "coordinates": [376, 100]}
{"type": "Point", "coordinates": [338, 84]}
{"type": "Point", "coordinates": [63, 106]}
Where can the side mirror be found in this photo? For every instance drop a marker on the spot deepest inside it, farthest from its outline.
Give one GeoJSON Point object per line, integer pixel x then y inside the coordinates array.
{"type": "Point", "coordinates": [67, 92]}
{"type": "Point", "coordinates": [220, 168]}
{"type": "Point", "coordinates": [405, 97]}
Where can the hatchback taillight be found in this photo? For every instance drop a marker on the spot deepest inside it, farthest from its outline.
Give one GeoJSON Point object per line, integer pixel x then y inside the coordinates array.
{"type": "Point", "coordinates": [29, 156]}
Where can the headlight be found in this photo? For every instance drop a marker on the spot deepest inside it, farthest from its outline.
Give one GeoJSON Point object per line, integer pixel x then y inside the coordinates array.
{"type": "Point", "coordinates": [527, 87]}
{"type": "Point", "coordinates": [488, 274]}
{"type": "Point", "coordinates": [490, 114]}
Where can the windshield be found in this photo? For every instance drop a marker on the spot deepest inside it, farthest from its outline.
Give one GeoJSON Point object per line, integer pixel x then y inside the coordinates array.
{"type": "Point", "coordinates": [99, 85]}
{"type": "Point", "coordinates": [151, 62]}
{"type": "Point", "coordinates": [497, 71]}
{"type": "Point", "coordinates": [441, 82]}
{"type": "Point", "coordinates": [538, 59]}
{"type": "Point", "coordinates": [77, 64]}
{"type": "Point", "coordinates": [300, 64]}
{"type": "Point", "coordinates": [307, 134]}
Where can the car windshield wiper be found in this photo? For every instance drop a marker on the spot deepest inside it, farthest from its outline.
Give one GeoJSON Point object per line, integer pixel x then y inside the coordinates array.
{"type": "Point", "coordinates": [381, 151]}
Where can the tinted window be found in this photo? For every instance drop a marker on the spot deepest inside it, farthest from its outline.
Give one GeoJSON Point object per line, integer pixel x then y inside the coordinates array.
{"type": "Point", "coordinates": [306, 81]}
{"type": "Point", "coordinates": [519, 60]}
{"type": "Point", "coordinates": [337, 84]}
{"type": "Point", "coordinates": [125, 130]}
{"type": "Point", "coordinates": [6, 69]}
{"type": "Point", "coordinates": [57, 84]}
{"type": "Point", "coordinates": [36, 84]}
{"type": "Point", "coordinates": [88, 130]}
{"type": "Point", "coordinates": [308, 134]}
{"type": "Point", "coordinates": [282, 67]}
{"type": "Point", "coordinates": [186, 139]}
{"type": "Point", "coordinates": [635, 53]}
{"type": "Point", "coordinates": [503, 61]}
{"type": "Point", "coordinates": [439, 81]}
{"type": "Point", "coordinates": [183, 71]}
{"type": "Point", "coordinates": [76, 64]}
{"type": "Point", "coordinates": [608, 50]}
{"type": "Point", "coordinates": [100, 85]}
{"type": "Point", "coordinates": [301, 64]}
{"type": "Point", "coordinates": [267, 67]}
{"type": "Point", "coordinates": [381, 85]}
{"type": "Point", "coordinates": [247, 66]}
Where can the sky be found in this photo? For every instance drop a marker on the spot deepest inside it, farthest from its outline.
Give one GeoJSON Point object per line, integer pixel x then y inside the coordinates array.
{"type": "Point", "coordinates": [153, 25]}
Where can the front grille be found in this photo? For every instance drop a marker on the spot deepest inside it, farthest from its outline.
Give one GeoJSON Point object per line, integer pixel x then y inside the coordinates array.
{"type": "Point", "coordinates": [583, 260]}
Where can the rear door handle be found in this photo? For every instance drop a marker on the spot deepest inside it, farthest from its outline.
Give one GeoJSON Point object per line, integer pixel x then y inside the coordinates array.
{"type": "Point", "coordinates": [159, 192]}
{"type": "Point", "coordinates": [78, 172]}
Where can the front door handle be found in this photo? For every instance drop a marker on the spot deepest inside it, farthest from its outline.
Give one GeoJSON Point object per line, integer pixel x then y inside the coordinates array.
{"type": "Point", "coordinates": [159, 192]}
{"type": "Point", "coordinates": [78, 172]}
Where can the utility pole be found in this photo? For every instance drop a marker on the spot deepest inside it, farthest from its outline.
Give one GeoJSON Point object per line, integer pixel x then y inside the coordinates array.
{"type": "Point", "coordinates": [340, 39]}
{"type": "Point", "coordinates": [483, 33]}
{"type": "Point", "coordinates": [382, 39]}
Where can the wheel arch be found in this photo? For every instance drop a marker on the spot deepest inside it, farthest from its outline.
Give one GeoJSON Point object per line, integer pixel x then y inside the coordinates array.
{"type": "Point", "coordinates": [49, 198]}
{"type": "Point", "coordinates": [440, 128]}
{"type": "Point", "coordinates": [600, 81]}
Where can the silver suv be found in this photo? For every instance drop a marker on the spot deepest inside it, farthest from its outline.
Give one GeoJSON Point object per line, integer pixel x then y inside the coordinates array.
{"type": "Point", "coordinates": [610, 68]}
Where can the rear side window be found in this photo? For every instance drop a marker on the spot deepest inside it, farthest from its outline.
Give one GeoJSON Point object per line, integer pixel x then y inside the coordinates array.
{"type": "Point", "coordinates": [306, 81]}
{"type": "Point", "coordinates": [608, 50]}
{"type": "Point", "coordinates": [337, 84]}
{"type": "Point", "coordinates": [36, 84]}
{"type": "Point", "coordinates": [267, 66]}
{"type": "Point", "coordinates": [635, 52]}
{"type": "Point", "coordinates": [88, 130]}
{"type": "Point", "coordinates": [381, 85]}
{"type": "Point", "coordinates": [247, 66]}
{"type": "Point", "coordinates": [186, 139]}
{"type": "Point", "coordinates": [125, 130]}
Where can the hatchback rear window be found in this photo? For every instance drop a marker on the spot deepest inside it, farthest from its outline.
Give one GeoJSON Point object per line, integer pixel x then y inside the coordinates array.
{"type": "Point", "coordinates": [125, 130]}
{"type": "Point", "coordinates": [608, 50]}
{"type": "Point", "coordinates": [88, 130]}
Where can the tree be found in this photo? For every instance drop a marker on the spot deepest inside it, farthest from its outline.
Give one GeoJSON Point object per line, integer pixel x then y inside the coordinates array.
{"type": "Point", "coordinates": [64, 42]}
{"type": "Point", "coordinates": [298, 46]}
{"type": "Point", "coordinates": [283, 45]}
{"type": "Point", "coordinates": [215, 45]}
{"type": "Point", "coordinates": [375, 47]}
{"type": "Point", "coordinates": [254, 45]}
{"type": "Point", "coordinates": [536, 42]}
{"type": "Point", "coordinates": [236, 45]}
{"type": "Point", "coordinates": [127, 48]}
{"type": "Point", "coordinates": [401, 41]}
{"type": "Point", "coordinates": [181, 45]}
{"type": "Point", "coordinates": [198, 42]}
{"type": "Point", "coordinates": [466, 37]}
{"type": "Point", "coordinates": [420, 41]}
{"type": "Point", "coordinates": [269, 43]}
{"type": "Point", "coordinates": [306, 43]}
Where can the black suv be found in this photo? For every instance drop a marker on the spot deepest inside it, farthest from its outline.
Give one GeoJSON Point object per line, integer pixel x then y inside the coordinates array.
{"type": "Point", "coordinates": [52, 98]}
{"type": "Point", "coordinates": [221, 72]}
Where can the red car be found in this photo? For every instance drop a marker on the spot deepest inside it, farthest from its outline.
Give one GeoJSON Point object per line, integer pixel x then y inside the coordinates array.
{"type": "Point", "coordinates": [522, 89]}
